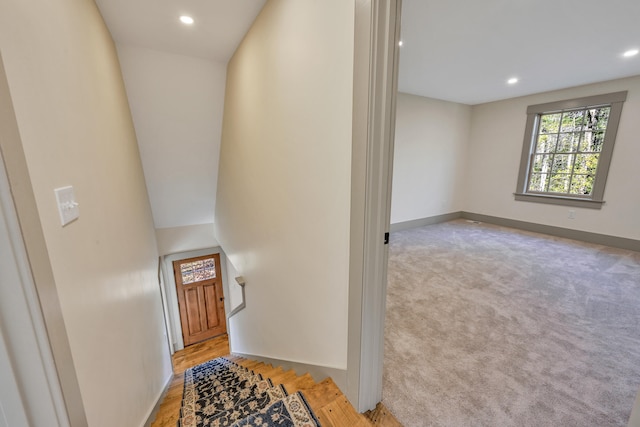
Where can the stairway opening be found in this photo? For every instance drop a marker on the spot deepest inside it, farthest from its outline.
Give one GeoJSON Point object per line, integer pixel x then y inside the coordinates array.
{"type": "Point", "coordinates": [326, 400]}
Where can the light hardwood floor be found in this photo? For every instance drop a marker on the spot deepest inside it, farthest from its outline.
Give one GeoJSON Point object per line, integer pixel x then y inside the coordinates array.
{"type": "Point", "coordinates": [193, 355]}
{"type": "Point", "coordinates": [327, 401]}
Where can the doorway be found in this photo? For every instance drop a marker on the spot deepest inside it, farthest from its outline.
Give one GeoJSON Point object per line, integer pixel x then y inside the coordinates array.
{"type": "Point", "coordinates": [200, 298]}
{"type": "Point", "coordinates": [169, 286]}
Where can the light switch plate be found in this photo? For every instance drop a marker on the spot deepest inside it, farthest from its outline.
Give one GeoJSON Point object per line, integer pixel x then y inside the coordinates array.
{"type": "Point", "coordinates": [67, 205]}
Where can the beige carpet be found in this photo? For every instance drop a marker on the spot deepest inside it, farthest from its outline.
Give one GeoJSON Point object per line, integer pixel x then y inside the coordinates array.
{"type": "Point", "coordinates": [490, 326]}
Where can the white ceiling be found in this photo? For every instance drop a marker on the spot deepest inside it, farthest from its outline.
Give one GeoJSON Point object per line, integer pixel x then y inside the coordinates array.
{"type": "Point", "coordinates": [465, 50]}
{"type": "Point", "coordinates": [219, 25]}
{"type": "Point", "coordinates": [457, 50]}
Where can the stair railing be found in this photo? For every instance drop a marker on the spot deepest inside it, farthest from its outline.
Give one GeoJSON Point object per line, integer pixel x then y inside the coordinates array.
{"type": "Point", "coordinates": [241, 282]}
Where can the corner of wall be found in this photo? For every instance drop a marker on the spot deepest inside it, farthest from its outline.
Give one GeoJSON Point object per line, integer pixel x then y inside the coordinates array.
{"type": "Point", "coordinates": [185, 238]}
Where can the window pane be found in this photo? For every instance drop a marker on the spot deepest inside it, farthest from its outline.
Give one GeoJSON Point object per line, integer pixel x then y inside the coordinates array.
{"type": "Point", "coordinates": [568, 142]}
{"type": "Point", "coordinates": [581, 184]}
{"type": "Point", "coordinates": [586, 164]}
{"type": "Point", "coordinates": [538, 182]}
{"type": "Point", "coordinates": [542, 163]}
{"type": "Point", "coordinates": [562, 163]}
{"type": "Point", "coordinates": [187, 278]}
{"type": "Point", "coordinates": [572, 121]}
{"type": "Point", "coordinates": [187, 272]}
{"type": "Point", "coordinates": [550, 123]}
{"type": "Point", "coordinates": [597, 118]}
{"type": "Point", "coordinates": [592, 142]}
{"type": "Point", "coordinates": [559, 183]}
{"type": "Point", "coordinates": [546, 143]}
{"type": "Point", "coordinates": [196, 271]}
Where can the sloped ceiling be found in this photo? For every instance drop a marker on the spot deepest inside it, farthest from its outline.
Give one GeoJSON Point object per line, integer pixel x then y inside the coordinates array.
{"type": "Point", "coordinates": [219, 25]}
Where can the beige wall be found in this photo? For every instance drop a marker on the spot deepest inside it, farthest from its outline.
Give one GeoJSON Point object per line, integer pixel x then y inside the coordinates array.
{"type": "Point", "coordinates": [188, 238]}
{"type": "Point", "coordinates": [495, 146]}
{"type": "Point", "coordinates": [430, 156]}
{"type": "Point", "coordinates": [76, 129]}
{"type": "Point", "coordinates": [283, 201]}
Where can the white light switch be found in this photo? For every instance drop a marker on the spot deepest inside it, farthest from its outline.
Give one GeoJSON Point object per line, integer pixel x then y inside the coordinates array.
{"type": "Point", "coordinates": [67, 205]}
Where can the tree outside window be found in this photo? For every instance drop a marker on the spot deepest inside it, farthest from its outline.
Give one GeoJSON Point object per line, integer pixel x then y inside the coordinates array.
{"type": "Point", "coordinates": [567, 150]}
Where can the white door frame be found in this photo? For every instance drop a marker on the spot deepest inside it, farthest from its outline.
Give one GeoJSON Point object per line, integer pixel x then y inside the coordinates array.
{"type": "Point", "coordinates": [173, 310]}
{"type": "Point", "coordinates": [12, 411]}
{"type": "Point", "coordinates": [377, 33]}
{"type": "Point", "coordinates": [34, 295]}
{"type": "Point", "coordinates": [30, 393]}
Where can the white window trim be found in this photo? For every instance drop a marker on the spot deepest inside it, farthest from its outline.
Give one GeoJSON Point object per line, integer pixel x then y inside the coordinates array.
{"type": "Point", "coordinates": [615, 100]}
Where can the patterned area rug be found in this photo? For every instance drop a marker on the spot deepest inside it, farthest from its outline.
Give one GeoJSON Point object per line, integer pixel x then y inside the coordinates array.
{"type": "Point", "coordinates": [222, 393]}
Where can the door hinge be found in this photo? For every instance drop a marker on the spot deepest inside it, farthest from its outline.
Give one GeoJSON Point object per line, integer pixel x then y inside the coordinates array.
{"type": "Point", "coordinates": [386, 238]}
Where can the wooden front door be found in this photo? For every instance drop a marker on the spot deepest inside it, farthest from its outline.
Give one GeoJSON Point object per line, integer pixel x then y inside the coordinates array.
{"type": "Point", "coordinates": [200, 298]}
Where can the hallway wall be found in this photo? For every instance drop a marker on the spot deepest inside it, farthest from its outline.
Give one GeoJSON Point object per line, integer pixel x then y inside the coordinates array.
{"type": "Point", "coordinates": [283, 203]}
{"type": "Point", "coordinates": [76, 129]}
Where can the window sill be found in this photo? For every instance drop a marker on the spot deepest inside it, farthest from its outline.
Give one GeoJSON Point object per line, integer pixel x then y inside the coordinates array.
{"type": "Point", "coordinates": [559, 200]}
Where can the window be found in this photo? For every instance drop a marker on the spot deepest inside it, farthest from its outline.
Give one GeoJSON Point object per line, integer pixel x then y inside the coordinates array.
{"type": "Point", "coordinates": [199, 270]}
{"type": "Point", "coordinates": [567, 150]}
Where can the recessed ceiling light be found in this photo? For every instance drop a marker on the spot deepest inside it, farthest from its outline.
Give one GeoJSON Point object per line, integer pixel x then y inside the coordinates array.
{"type": "Point", "coordinates": [512, 80]}
{"type": "Point", "coordinates": [400, 43]}
{"type": "Point", "coordinates": [186, 19]}
{"type": "Point", "coordinates": [630, 53]}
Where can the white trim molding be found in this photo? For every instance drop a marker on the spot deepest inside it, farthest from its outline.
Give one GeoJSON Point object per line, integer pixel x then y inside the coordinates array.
{"type": "Point", "coordinates": [29, 248]}
{"type": "Point", "coordinates": [173, 311]}
{"type": "Point", "coordinates": [377, 32]}
{"type": "Point", "coordinates": [29, 368]}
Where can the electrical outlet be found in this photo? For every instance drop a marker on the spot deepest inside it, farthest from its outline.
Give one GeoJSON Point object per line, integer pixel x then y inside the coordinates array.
{"type": "Point", "coordinates": [572, 214]}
